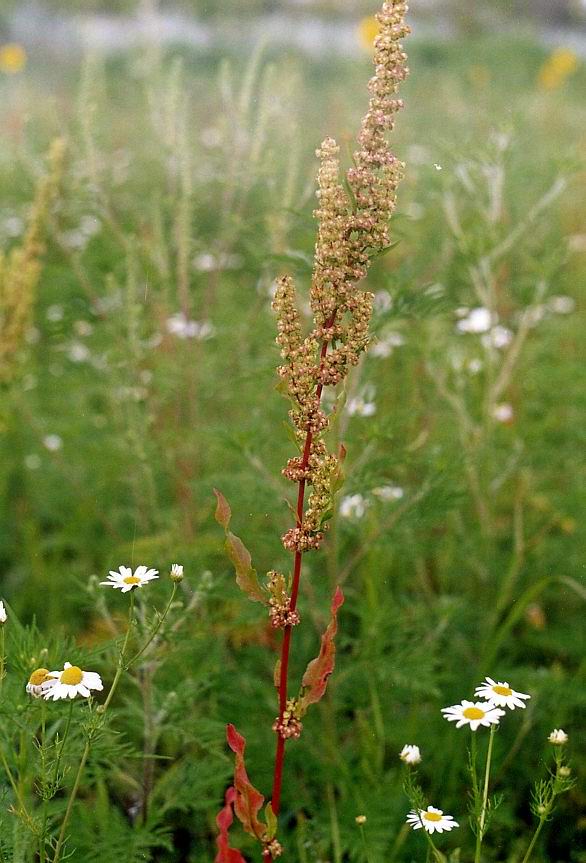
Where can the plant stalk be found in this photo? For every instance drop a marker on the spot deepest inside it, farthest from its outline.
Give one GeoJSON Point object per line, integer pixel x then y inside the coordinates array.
{"type": "Point", "coordinates": [286, 644]}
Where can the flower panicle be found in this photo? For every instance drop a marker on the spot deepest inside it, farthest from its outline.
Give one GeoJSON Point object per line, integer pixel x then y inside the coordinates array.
{"type": "Point", "coordinates": [352, 216]}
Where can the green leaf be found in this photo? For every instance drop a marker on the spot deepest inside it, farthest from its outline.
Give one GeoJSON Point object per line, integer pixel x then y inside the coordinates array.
{"type": "Point", "coordinates": [246, 575]}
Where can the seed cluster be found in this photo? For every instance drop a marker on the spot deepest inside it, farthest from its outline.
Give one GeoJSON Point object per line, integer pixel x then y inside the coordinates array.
{"type": "Point", "coordinates": [289, 726]}
{"type": "Point", "coordinates": [274, 848]}
{"type": "Point", "coordinates": [353, 226]}
{"type": "Point", "coordinates": [280, 611]}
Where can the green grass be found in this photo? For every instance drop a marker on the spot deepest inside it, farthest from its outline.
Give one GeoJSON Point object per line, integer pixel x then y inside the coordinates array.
{"type": "Point", "coordinates": [474, 570]}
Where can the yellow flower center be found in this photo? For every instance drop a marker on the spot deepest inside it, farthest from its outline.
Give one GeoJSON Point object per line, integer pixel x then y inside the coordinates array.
{"type": "Point", "coordinates": [39, 676]}
{"type": "Point", "coordinates": [131, 579]}
{"type": "Point", "coordinates": [502, 690]}
{"type": "Point", "coordinates": [432, 816]}
{"type": "Point", "coordinates": [473, 713]}
{"type": "Point", "coordinates": [71, 676]}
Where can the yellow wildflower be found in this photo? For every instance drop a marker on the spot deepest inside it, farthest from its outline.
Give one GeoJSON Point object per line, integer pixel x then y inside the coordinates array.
{"type": "Point", "coordinates": [368, 30]}
{"type": "Point", "coordinates": [557, 68]}
{"type": "Point", "coordinates": [12, 58]}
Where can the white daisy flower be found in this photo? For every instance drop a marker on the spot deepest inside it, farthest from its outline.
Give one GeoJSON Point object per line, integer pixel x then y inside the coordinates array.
{"type": "Point", "coordinates": [410, 754]}
{"type": "Point", "coordinates": [473, 713]}
{"type": "Point", "coordinates": [431, 819]}
{"type": "Point", "coordinates": [388, 492]}
{"type": "Point", "coordinates": [500, 694]}
{"type": "Point", "coordinates": [503, 413]}
{"type": "Point", "coordinates": [558, 737]}
{"type": "Point", "coordinates": [176, 572]}
{"type": "Point", "coordinates": [71, 682]}
{"type": "Point", "coordinates": [479, 320]}
{"type": "Point", "coordinates": [126, 579]}
{"type": "Point", "coordinates": [3, 616]}
{"type": "Point", "coordinates": [39, 682]}
{"type": "Point", "coordinates": [353, 506]}
{"type": "Point", "coordinates": [360, 407]}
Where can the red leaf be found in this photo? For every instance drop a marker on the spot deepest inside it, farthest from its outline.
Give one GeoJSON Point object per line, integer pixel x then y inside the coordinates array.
{"type": "Point", "coordinates": [248, 801]}
{"type": "Point", "coordinates": [223, 513]}
{"type": "Point", "coordinates": [319, 669]}
{"type": "Point", "coordinates": [224, 820]}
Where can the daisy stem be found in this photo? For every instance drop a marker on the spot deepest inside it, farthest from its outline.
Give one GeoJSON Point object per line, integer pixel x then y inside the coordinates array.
{"type": "Point", "coordinates": [155, 630]}
{"type": "Point", "coordinates": [436, 854]}
{"type": "Point", "coordinates": [63, 739]}
{"type": "Point", "coordinates": [86, 751]}
{"type": "Point", "coordinates": [71, 801]}
{"type": "Point", "coordinates": [534, 840]}
{"type": "Point", "coordinates": [42, 848]}
{"type": "Point", "coordinates": [482, 820]}
{"type": "Point", "coordinates": [365, 844]}
{"type": "Point", "coordinates": [121, 665]}
{"type": "Point", "coordinates": [473, 760]}
{"type": "Point", "coordinates": [2, 657]}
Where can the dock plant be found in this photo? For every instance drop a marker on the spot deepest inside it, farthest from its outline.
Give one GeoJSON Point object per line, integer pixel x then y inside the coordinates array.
{"type": "Point", "coordinates": [352, 214]}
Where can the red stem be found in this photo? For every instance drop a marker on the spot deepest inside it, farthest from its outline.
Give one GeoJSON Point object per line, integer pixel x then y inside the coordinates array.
{"type": "Point", "coordinates": [286, 645]}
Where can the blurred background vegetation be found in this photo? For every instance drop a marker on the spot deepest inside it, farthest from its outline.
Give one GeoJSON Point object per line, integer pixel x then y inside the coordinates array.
{"type": "Point", "coordinates": [138, 372]}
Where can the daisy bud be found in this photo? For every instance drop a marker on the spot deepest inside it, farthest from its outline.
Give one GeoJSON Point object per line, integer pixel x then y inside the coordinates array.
{"type": "Point", "coordinates": [2, 612]}
{"type": "Point", "coordinates": [360, 819]}
{"type": "Point", "coordinates": [565, 771]}
{"type": "Point", "coordinates": [410, 754]}
{"type": "Point", "coordinates": [558, 737]}
{"type": "Point", "coordinates": [176, 573]}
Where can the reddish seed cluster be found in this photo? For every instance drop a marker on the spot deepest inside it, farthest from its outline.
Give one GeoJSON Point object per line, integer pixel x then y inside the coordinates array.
{"type": "Point", "coordinates": [289, 726]}
{"type": "Point", "coordinates": [280, 611]}
{"type": "Point", "coordinates": [301, 539]}
{"type": "Point", "coordinates": [274, 848]}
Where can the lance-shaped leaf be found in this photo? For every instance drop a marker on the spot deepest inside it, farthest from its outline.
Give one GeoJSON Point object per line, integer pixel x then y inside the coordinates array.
{"type": "Point", "coordinates": [224, 820]}
{"type": "Point", "coordinates": [248, 801]}
{"type": "Point", "coordinates": [246, 577]}
{"type": "Point", "coordinates": [316, 675]}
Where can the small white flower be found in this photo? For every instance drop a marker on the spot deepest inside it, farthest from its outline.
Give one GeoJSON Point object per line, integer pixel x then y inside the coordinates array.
{"type": "Point", "coordinates": [388, 492]}
{"type": "Point", "coordinates": [384, 347]}
{"type": "Point", "coordinates": [55, 313]}
{"type": "Point", "coordinates": [562, 305]}
{"type": "Point", "coordinates": [3, 617]}
{"type": "Point", "coordinates": [78, 352]}
{"type": "Point", "coordinates": [558, 737]}
{"type": "Point", "coordinates": [39, 682]}
{"type": "Point", "coordinates": [176, 572]}
{"type": "Point", "coordinates": [126, 579]}
{"type": "Point", "coordinates": [360, 407]}
{"type": "Point", "coordinates": [83, 328]}
{"type": "Point", "coordinates": [478, 320]}
{"type": "Point", "coordinates": [353, 506]}
{"type": "Point", "coordinates": [473, 713]}
{"type": "Point", "coordinates": [383, 302]}
{"type": "Point", "coordinates": [71, 682]}
{"type": "Point", "coordinates": [503, 413]}
{"type": "Point", "coordinates": [474, 366]}
{"type": "Point", "coordinates": [431, 819]}
{"type": "Point", "coordinates": [32, 461]}
{"type": "Point", "coordinates": [437, 167]}
{"type": "Point", "coordinates": [500, 694]}
{"type": "Point", "coordinates": [499, 337]}
{"type": "Point", "coordinates": [410, 754]}
{"type": "Point", "coordinates": [180, 326]}
{"type": "Point", "coordinates": [52, 442]}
